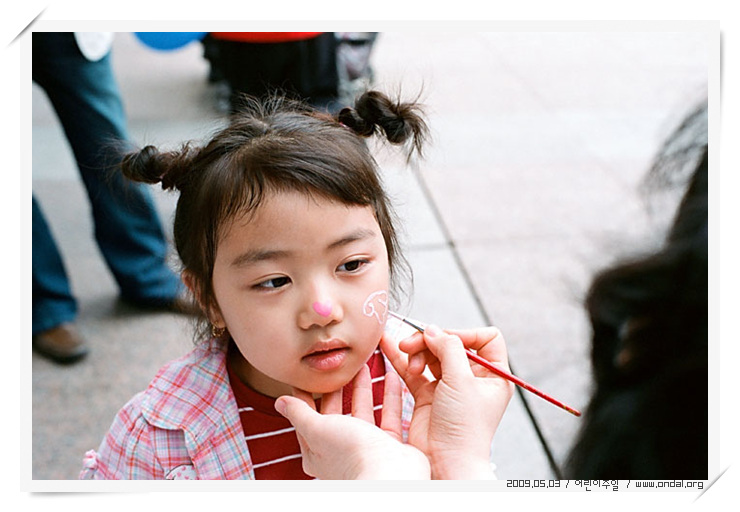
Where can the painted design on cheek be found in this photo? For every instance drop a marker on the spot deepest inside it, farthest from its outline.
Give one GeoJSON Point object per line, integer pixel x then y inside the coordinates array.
{"type": "Point", "coordinates": [322, 308]}
{"type": "Point", "coordinates": [376, 305]}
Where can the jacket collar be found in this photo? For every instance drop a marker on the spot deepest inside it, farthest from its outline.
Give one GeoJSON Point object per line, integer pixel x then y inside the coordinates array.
{"type": "Point", "coordinates": [191, 393]}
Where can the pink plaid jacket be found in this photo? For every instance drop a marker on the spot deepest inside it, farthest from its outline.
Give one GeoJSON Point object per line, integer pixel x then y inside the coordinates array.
{"type": "Point", "coordinates": [185, 425]}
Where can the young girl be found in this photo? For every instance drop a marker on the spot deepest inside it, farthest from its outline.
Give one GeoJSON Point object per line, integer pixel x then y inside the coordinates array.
{"type": "Point", "coordinates": [287, 242]}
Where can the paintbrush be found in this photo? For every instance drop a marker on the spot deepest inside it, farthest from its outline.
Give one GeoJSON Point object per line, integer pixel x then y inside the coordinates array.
{"type": "Point", "coordinates": [498, 371]}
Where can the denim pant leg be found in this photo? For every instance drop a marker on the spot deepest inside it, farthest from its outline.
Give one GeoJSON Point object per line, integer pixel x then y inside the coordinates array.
{"type": "Point", "coordinates": [53, 303]}
{"type": "Point", "coordinates": [86, 99]}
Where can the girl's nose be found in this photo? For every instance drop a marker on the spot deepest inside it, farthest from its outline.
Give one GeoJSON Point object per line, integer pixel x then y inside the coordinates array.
{"type": "Point", "coordinates": [320, 311]}
{"type": "Point", "coordinates": [322, 308]}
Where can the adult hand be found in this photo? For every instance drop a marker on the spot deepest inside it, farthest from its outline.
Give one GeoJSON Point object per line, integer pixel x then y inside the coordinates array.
{"type": "Point", "coordinates": [456, 415]}
{"type": "Point", "coordinates": [338, 447]}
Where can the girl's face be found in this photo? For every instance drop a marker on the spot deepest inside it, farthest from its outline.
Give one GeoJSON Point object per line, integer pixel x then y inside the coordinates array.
{"type": "Point", "coordinates": [302, 288]}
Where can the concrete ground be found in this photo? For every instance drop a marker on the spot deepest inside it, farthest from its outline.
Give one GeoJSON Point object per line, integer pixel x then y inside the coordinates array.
{"type": "Point", "coordinates": [530, 184]}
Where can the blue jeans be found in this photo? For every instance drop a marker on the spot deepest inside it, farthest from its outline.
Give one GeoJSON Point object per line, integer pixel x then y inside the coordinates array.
{"type": "Point", "coordinates": [87, 102]}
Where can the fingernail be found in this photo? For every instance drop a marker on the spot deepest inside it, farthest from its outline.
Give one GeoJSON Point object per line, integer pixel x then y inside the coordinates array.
{"type": "Point", "coordinates": [432, 330]}
{"type": "Point", "coordinates": [280, 406]}
{"type": "Point", "coordinates": [416, 362]}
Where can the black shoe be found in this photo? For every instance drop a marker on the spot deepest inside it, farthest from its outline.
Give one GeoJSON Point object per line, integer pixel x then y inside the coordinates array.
{"type": "Point", "coordinates": [63, 344]}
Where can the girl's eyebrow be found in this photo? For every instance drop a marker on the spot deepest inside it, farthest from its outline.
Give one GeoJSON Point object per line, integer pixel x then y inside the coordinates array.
{"type": "Point", "coordinates": [256, 255]}
{"type": "Point", "coordinates": [253, 256]}
{"type": "Point", "coordinates": [358, 234]}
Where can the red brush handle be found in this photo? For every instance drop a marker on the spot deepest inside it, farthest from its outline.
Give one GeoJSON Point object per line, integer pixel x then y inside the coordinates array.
{"type": "Point", "coordinates": [519, 382]}
{"type": "Point", "coordinates": [498, 371]}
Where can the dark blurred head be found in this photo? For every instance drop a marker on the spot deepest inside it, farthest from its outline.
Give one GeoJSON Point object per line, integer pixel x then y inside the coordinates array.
{"type": "Point", "coordinates": [648, 416]}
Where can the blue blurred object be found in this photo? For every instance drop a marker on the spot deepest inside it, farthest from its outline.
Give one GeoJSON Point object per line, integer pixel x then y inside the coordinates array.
{"type": "Point", "coordinates": [168, 40]}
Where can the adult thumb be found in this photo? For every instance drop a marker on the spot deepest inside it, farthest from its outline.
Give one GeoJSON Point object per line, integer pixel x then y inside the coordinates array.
{"type": "Point", "coordinates": [449, 349]}
{"type": "Point", "coordinates": [295, 410]}
{"type": "Point", "coordinates": [299, 413]}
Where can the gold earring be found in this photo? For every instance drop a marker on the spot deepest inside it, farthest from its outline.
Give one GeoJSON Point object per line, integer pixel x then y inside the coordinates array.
{"type": "Point", "coordinates": [217, 332]}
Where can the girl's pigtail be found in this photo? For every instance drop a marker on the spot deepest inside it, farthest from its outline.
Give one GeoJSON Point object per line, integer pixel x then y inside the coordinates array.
{"type": "Point", "coordinates": [149, 165]}
{"type": "Point", "coordinates": [399, 121]}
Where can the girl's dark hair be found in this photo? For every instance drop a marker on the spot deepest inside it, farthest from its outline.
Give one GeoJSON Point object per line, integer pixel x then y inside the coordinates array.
{"type": "Point", "coordinates": [277, 145]}
{"type": "Point", "coordinates": [648, 416]}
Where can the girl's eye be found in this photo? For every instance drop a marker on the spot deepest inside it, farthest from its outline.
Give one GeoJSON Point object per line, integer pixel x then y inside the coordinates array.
{"type": "Point", "coordinates": [352, 266]}
{"type": "Point", "coordinates": [276, 282]}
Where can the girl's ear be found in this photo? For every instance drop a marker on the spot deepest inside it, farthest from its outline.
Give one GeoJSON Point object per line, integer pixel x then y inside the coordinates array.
{"type": "Point", "coordinates": [213, 313]}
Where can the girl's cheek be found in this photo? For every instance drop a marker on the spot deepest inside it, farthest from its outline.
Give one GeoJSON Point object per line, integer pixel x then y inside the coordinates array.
{"type": "Point", "coordinates": [375, 306]}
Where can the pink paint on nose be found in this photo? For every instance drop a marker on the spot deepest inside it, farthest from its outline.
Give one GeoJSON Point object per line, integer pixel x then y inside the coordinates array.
{"type": "Point", "coordinates": [322, 308]}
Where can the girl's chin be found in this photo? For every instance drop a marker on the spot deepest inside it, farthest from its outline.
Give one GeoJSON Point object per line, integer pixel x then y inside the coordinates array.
{"type": "Point", "coordinates": [329, 386]}
{"type": "Point", "coordinates": [317, 382]}
{"type": "Point", "coordinates": [317, 391]}
{"type": "Point", "coordinates": [314, 386]}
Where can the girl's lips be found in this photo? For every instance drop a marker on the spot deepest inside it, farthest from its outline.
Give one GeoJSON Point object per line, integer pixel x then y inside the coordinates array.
{"type": "Point", "coordinates": [327, 356]}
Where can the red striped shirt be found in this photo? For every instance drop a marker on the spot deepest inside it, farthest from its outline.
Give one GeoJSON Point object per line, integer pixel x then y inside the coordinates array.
{"type": "Point", "coordinates": [271, 439]}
